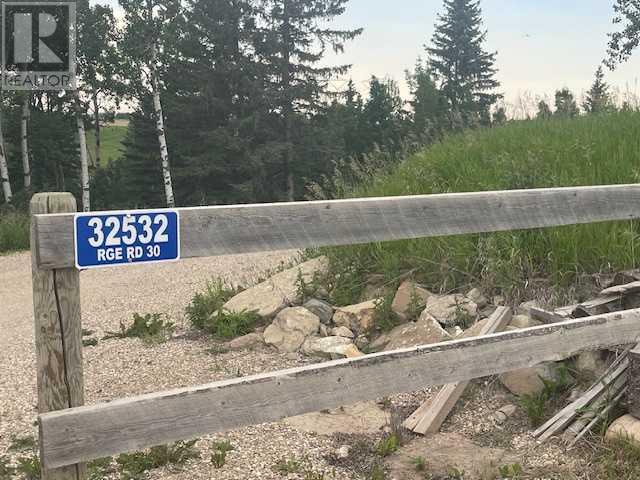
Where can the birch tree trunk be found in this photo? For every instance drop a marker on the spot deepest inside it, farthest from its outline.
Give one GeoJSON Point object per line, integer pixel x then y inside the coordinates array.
{"type": "Point", "coordinates": [4, 170]}
{"type": "Point", "coordinates": [162, 140]}
{"type": "Point", "coordinates": [26, 168]}
{"type": "Point", "coordinates": [84, 160]}
{"type": "Point", "coordinates": [96, 112]}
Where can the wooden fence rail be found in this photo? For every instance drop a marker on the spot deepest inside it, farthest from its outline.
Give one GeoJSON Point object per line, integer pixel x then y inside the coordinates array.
{"type": "Point", "coordinates": [71, 434]}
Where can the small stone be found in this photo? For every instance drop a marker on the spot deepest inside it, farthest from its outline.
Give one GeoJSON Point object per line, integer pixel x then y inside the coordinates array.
{"type": "Point", "coordinates": [324, 330]}
{"type": "Point", "coordinates": [358, 318]}
{"type": "Point", "coordinates": [321, 309]}
{"type": "Point", "coordinates": [476, 296]}
{"type": "Point", "coordinates": [449, 309]}
{"type": "Point", "coordinates": [525, 307]}
{"type": "Point", "coordinates": [498, 300]}
{"type": "Point", "coordinates": [342, 332]}
{"type": "Point", "coordinates": [627, 427]}
{"type": "Point", "coordinates": [409, 292]}
{"type": "Point", "coordinates": [247, 341]}
{"type": "Point", "coordinates": [362, 342]}
{"type": "Point", "coordinates": [523, 321]}
{"type": "Point", "coordinates": [476, 329]}
{"type": "Point", "coordinates": [331, 347]}
{"type": "Point", "coordinates": [343, 452]}
{"type": "Point", "coordinates": [591, 363]}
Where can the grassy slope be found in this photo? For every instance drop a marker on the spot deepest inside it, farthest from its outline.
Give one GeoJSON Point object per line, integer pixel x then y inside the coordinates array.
{"type": "Point", "coordinates": [111, 143]}
{"type": "Point", "coordinates": [586, 151]}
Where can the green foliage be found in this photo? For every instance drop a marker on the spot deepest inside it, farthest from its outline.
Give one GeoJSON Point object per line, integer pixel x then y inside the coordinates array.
{"type": "Point", "coordinates": [598, 99]}
{"type": "Point", "coordinates": [205, 304]}
{"type": "Point", "coordinates": [286, 466]}
{"type": "Point", "coordinates": [377, 472]}
{"type": "Point", "coordinates": [566, 106]}
{"type": "Point", "coordinates": [219, 452]}
{"type": "Point", "coordinates": [206, 312]}
{"type": "Point", "coordinates": [420, 463]}
{"type": "Point", "coordinates": [388, 445]}
{"type": "Point", "coordinates": [536, 405]}
{"type": "Point", "coordinates": [307, 290]}
{"type": "Point", "coordinates": [134, 465]}
{"type": "Point", "coordinates": [384, 317]}
{"type": "Point", "coordinates": [100, 468]}
{"type": "Point", "coordinates": [619, 459]}
{"type": "Point", "coordinates": [456, 474]}
{"type": "Point", "coordinates": [28, 467]}
{"type": "Point", "coordinates": [150, 328]}
{"type": "Point", "coordinates": [510, 472]}
{"type": "Point", "coordinates": [19, 444]}
{"type": "Point", "coordinates": [527, 154]}
{"type": "Point", "coordinates": [416, 305]}
{"type": "Point", "coordinates": [6, 470]}
{"type": "Point", "coordinates": [14, 231]}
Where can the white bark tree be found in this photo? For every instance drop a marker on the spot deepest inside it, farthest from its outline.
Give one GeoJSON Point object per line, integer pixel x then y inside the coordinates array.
{"type": "Point", "coordinates": [4, 170]}
{"type": "Point", "coordinates": [24, 135]}
{"type": "Point", "coordinates": [84, 160]}
{"type": "Point", "coordinates": [162, 140]}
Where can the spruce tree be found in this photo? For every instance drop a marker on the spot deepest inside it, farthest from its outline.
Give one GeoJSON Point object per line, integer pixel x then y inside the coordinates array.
{"type": "Point", "coordinates": [566, 106]}
{"type": "Point", "coordinates": [428, 104]}
{"type": "Point", "coordinates": [544, 111]}
{"type": "Point", "coordinates": [295, 38]}
{"type": "Point", "coordinates": [463, 69]}
{"type": "Point", "coordinates": [598, 99]}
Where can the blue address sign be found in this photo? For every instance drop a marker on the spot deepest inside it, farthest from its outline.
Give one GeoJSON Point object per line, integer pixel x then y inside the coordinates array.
{"type": "Point", "coordinates": [125, 238]}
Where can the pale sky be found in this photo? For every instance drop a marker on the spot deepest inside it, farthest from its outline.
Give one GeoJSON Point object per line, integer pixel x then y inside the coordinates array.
{"type": "Point", "coordinates": [542, 45]}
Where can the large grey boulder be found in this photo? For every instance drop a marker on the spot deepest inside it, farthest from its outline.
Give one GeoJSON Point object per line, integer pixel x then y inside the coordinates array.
{"type": "Point", "coordinates": [425, 331]}
{"type": "Point", "coordinates": [276, 293]}
{"type": "Point", "coordinates": [357, 318]}
{"type": "Point", "coordinates": [449, 310]}
{"type": "Point", "coordinates": [323, 310]}
{"type": "Point", "coordinates": [291, 327]}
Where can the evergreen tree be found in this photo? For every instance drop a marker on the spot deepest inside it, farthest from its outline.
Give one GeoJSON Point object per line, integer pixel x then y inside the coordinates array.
{"type": "Point", "coordinates": [598, 99]}
{"type": "Point", "coordinates": [500, 116]}
{"type": "Point", "coordinates": [428, 104]}
{"type": "Point", "coordinates": [295, 37]}
{"type": "Point", "coordinates": [383, 118]}
{"type": "Point", "coordinates": [566, 106]}
{"type": "Point", "coordinates": [463, 70]}
{"type": "Point", "coordinates": [544, 111]}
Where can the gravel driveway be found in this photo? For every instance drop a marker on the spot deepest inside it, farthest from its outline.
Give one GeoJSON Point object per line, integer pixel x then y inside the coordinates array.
{"type": "Point", "coordinates": [116, 368]}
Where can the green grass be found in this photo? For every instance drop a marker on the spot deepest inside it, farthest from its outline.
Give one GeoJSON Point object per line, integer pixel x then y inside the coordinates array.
{"type": "Point", "coordinates": [14, 232]}
{"type": "Point", "coordinates": [111, 148]}
{"type": "Point", "coordinates": [591, 150]}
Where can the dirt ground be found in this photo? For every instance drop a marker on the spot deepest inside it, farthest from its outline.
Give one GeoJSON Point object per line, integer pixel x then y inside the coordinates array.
{"type": "Point", "coordinates": [123, 367]}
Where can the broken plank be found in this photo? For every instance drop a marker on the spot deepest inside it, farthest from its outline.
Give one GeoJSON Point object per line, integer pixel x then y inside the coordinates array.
{"type": "Point", "coordinates": [430, 416]}
{"type": "Point", "coordinates": [90, 432]}
{"type": "Point", "coordinates": [626, 289]}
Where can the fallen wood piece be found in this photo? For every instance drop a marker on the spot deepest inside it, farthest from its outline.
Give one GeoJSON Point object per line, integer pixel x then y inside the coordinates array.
{"type": "Point", "coordinates": [85, 433]}
{"type": "Point", "coordinates": [626, 289]}
{"type": "Point", "coordinates": [545, 316]}
{"type": "Point", "coordinates": [571, 411]}
{"type": "Point", "coordinates": [565, 312]}
{"type": "Point", "coordinates": [598, 306]}
{"type": "Point", "coordinates": [603, 414]}
{"type": "Point", "coordinates": [599, 404]}
{"type": "Point", "coordinates": [430, 416]}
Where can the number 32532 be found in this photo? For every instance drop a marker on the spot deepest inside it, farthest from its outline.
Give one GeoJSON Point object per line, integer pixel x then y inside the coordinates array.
{"type": "Point", "coordinates": [114, 233]}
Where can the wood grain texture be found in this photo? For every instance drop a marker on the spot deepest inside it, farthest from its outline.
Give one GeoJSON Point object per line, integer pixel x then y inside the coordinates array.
{"type": "Point", "coordinates": [632, 399]}
{"type": "Point", "coordinates": [221, 230]}
{"type": "Point", "coordinates": [85, 433]}
{"type": "Point", "coordinates": [429, 417]}
{"type": "Point", "coordinates": [58, 331]}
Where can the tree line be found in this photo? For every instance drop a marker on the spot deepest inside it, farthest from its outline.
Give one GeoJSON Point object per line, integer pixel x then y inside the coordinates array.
{"type": "Point", "coordinates": [232, 102]}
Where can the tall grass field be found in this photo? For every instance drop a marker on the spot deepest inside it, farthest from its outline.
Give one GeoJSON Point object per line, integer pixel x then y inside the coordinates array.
{"type": "Point", "coordinates": [590, 150]}
{"type": "Point", "coordinates": [111, 148]}
{"type": "Point", "coordinates": [14, 232]}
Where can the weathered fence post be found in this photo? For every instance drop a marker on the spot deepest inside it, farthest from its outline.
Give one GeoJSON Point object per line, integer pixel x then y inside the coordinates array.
{"type": "Point", "coordinates": [633, 390]}
{"type": "Point", "coordinates": [58, 330]}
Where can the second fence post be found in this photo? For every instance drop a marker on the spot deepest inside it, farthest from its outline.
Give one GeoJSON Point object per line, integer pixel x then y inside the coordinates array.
{"type": "Point", "coordinates": [58, 330]}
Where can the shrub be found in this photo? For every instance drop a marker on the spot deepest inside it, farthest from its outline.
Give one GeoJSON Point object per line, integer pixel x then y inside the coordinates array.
{"type": "Point", "coordinates": [134, 465]}
{"type": "Point", "coordinates": [151, 328]}
{"type": "Point", "coordinates": [14, 231]}
{"type": "Point", "coordinates": [206, 312]}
